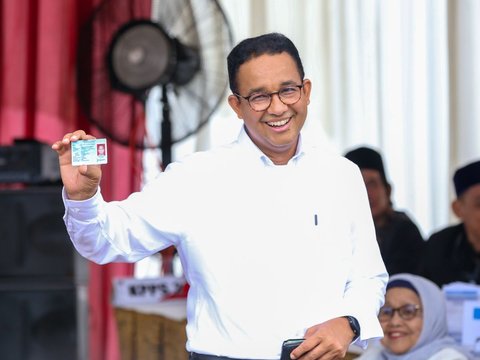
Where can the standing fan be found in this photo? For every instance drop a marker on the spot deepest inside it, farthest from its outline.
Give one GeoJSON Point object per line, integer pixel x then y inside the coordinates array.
{"type": "Point", "coordinates": [128, 48]}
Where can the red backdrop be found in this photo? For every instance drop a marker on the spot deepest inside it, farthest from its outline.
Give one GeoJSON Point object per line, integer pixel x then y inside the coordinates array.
{"type": "Point", "coordinates": [38, 101]}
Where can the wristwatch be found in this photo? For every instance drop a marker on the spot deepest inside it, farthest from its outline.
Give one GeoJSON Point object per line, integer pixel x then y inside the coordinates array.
{"type": "Point", "coordinates": [354, 325]}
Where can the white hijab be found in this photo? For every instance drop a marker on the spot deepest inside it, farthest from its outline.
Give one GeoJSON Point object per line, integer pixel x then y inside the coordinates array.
{"type": "Point", "coordinates": [434, 334]}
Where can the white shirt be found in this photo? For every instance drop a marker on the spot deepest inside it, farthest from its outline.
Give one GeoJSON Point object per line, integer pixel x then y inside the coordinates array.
{"type": "Point", "coordinates": [268, 250]}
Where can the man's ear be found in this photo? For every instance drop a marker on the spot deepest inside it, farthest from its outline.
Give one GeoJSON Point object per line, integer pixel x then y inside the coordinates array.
{"type": "Point", "coordinates": [307, 88]}
{"type": "Point", "coordinates": [457, 208]}
{"type": "Point", "coordinates": [389, 190]}
{"type": "Point", "coordinates": [234, 103]}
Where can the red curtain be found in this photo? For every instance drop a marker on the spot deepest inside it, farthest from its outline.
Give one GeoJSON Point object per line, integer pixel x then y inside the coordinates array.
{"type": "Point", "coordinates": [38, 101]}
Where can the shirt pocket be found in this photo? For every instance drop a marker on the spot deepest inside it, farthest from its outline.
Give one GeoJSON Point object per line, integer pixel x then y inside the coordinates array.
{"type": "Point", "coordinates": [330, 236]}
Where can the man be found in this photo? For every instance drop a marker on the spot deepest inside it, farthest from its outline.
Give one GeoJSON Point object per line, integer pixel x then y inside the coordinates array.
{"type": "Point", "coordinates": [100, 150]}
{"type": "Point", "coordinates": [401, 243]}
{"type": "Point", "coordinates": [272, 247]}
{"type": "Point", "coordinates": [453, 254]}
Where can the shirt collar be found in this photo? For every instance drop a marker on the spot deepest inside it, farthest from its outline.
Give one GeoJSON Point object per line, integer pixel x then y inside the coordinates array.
{"type": "Point", "coordinates": [245, 142]}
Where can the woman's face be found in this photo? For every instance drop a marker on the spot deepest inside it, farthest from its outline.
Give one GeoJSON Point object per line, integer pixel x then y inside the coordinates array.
{"type": "Point", "coordinates": [400, 334]}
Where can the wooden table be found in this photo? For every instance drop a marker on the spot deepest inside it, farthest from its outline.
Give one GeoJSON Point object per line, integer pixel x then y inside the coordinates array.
{"type": "Point", "coordinates": [147, 335]}
{"type": "Point", "coordinates": [150, 335]}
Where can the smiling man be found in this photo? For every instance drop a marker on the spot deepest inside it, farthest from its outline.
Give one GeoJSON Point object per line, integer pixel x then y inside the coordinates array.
{"type": "Point", "coordinates": [272, 122]}
{"type": "Point", "coordinates": [275, 235]}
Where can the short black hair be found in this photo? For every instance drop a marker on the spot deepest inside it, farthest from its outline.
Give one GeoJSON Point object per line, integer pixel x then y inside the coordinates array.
{"type": "Point", "coordinates": [272, 43]}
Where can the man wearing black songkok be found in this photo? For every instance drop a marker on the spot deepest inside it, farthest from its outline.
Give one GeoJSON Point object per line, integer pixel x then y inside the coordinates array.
{"type": "Point", "coordinates": [453, 254]}
{"type": "Point", "coordinates": [400, 241]}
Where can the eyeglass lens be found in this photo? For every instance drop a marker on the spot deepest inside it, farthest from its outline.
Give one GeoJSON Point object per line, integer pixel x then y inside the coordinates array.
{"type": "Point", "coordinates": [288, 95]}
{"type": "Point", "coordinates": [406, 312]}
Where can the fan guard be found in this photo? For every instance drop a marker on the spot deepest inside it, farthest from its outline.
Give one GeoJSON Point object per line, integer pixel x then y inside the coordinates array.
{"type": "Point", "coordinates": [129, 47]}
{"type": "Point", "coordinates": [142, 55]}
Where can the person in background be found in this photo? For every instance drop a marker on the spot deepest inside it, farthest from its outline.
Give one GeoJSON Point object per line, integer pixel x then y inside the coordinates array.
{"type": "Point", "coordinates": [401, 243]}
{"type": "Point", "coordinates": [267, 245]}
{"type": "Point", "coordinates": [414, 323]}
{"type": "Point", "coordinates": [453, 253]}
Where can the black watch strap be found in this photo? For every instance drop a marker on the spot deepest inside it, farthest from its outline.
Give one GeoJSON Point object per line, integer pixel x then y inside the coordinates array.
{"type": "Point", "coordinates": [355, 326]}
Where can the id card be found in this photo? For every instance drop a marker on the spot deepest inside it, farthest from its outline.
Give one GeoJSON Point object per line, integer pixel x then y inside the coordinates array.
{"type": "Point", "coordinates": [89, 152]}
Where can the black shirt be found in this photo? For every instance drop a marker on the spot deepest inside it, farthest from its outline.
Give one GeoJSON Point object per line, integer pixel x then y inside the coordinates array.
{"type": "Point", "coordinates": [450, 257]}
{"type": "Point", "coordinates": [401, 244]}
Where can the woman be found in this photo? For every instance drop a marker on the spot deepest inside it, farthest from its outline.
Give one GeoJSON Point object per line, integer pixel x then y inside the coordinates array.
{"type": "Point", "coordinates": [414, 323]}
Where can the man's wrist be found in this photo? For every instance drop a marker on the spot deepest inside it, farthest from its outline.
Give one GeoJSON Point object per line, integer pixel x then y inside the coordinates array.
{"type": "Point", "coordinates": [354, 325]}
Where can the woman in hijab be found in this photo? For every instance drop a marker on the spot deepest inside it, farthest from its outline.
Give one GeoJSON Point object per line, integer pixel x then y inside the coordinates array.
{"type": "Point", "coordinates": [414, 323]}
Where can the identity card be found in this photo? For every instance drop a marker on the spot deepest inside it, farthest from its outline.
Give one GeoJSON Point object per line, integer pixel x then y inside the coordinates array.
{"type": "Point", "coordinates": [89, 152]}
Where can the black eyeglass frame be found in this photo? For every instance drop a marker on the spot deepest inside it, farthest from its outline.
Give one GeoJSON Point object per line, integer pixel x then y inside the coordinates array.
{"type": "Point", "coordinates": [416, 309]}
{"type": "Point", "coordinates": [270, 96]}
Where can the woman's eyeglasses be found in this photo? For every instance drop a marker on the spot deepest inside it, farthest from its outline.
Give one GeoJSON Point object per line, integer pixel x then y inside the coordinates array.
{"type": "Point", "coordinates": [406, 312]}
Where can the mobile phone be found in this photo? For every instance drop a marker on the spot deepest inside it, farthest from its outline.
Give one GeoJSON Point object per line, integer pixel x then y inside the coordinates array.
{"type": "Point", "coordinates": [288, 346]}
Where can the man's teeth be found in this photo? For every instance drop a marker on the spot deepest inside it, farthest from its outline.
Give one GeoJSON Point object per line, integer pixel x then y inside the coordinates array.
{"type": "Point", "coordinates": [278, 123]}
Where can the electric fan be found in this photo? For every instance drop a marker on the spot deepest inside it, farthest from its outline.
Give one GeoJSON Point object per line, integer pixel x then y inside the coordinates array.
{"type": "Point", "coordinates": [133, 50]}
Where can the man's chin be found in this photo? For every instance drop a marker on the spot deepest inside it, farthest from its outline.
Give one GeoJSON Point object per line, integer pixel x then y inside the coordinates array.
{"type": "Point", "coordinates": [476, 246]}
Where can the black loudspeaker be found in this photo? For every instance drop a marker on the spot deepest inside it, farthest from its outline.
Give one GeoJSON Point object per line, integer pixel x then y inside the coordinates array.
{"type": "Point", "coordinates": [29, 162]}
{"type": "Point", "coordinates": [38, 312]}
{"type": "Point", "coordinates": [39, 324]}
{"type": "Point", "coordinates": [33, 237]}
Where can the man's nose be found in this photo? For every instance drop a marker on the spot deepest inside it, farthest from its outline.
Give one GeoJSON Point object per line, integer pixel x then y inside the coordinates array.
{"type": "Point", "coordinates": [276, 105]}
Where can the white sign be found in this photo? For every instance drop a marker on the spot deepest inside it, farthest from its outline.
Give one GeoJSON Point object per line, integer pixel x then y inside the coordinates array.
{"type": "Point", "coordinates": [132, 291]}
{"type": "Point", "coordinates": [471, 324]}
{"type": "Point", "coordinates": [463, 312]}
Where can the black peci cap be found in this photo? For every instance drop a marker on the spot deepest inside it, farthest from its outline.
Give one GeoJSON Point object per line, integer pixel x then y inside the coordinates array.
{"type": "Point", "coordinates": [466, 176]}
{"type": "Point", "coordinates": [367, 158]}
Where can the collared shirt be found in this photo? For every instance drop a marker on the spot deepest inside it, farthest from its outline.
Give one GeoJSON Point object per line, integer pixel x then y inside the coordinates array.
{"type": "Point", "coordinates": [268, 250]}
{"type": "Point", "coordinates": [401, 243]}
{"type": "Point", "coordinates": [450, 257]}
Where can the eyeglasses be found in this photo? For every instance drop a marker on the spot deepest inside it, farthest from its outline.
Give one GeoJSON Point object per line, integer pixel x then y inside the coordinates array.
{"type": "Point", "coordinates": [406, 312]}
{"type": "Point", "coordinates": [260, 101]}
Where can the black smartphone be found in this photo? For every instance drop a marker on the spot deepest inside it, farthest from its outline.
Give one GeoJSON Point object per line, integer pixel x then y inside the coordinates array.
{"type": "Point", "coordinates": [288, 346]}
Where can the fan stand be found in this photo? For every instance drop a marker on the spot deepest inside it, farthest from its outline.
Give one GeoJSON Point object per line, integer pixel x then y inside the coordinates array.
{"type": "Point", "coordinates": [166, 130]}
{"type": "Point", "coordinates": [166, 147]}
